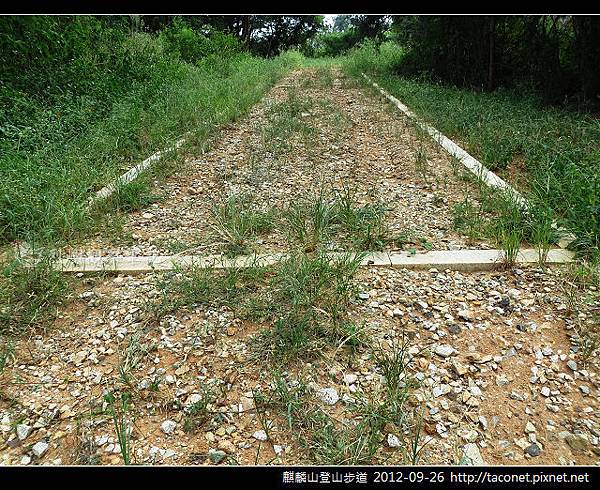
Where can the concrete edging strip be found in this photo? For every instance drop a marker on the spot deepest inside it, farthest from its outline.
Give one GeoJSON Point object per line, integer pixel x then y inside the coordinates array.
{"type": "Point", "coordinates": [474, 165]}
{"type": "Point", "coordinates": [132, 173]}
{"type": "Point", "coordinates": [460, 260]}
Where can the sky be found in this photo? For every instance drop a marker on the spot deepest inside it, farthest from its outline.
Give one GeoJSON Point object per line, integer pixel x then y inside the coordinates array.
{"type": "Point", "coordinates": [329, 19]}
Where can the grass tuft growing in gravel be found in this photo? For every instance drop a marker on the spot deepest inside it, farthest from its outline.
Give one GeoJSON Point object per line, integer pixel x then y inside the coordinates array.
{"type": "Point", "coordinates": [206, 286]}
{"type": "Point", "coordinates": [285, 120]}
{"type": "Point", "coordinates": [237, 222]}
{"type": "Point", "coordinates": [198, 414]}
{"type": "Point", "coordinates": [302, 301]}
{"type": "Point", "coordinates": [307, 306]}
{"type": "Point", "coordinates": [333, 220]}
{"type": "Point", "coordinates": [30, 295]}
{"type": "Point", "coordinates": [327, 440]}
{"type": "Point", "coordinates": [581, 290]}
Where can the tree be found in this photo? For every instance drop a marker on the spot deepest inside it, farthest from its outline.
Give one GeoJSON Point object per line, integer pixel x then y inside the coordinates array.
{"type": "Point", "coordinates": [342, 23]}
{"type": "Point", "coordinates": [370, 26]}
{"type": "Point", "coordinates": [272, 34]}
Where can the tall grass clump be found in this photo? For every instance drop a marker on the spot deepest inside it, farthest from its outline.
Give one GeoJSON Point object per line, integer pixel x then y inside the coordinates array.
{"type": "Point", "coordinates": [29, 295]}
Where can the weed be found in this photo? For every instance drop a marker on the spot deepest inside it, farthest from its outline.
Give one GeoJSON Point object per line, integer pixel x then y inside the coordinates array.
{"type": "Point", "coordinates": [7, 354]}
{"type": "Point", "coordinates": [135, 351]}
{"type": "Point", "coordinates": [328, 440]}
{"type": "Point", "coordinates": [540, 220]}
{"type": "Point", "coordinates": [393, 362]}
{"type": "Point", "coordinates": [322, 77]}
{"type": "Point", "coordinates": [30, 294]}
{"type": "Point", "coordinates": [421, 162]}
{"type": "Point", "coordinates": [316, 431]}
{"type": "Point", "coordinates": [236, 223]}
{"type": "Point", "coordinates": [309, 301]}
{"type": "Point", "coordinates": [197, 414]}
{"type": "Point", "coordinates": [206, 286]}
{"type": "Point", "coordinates": [310, 222]}
{"type": "Point", "coordinates": [467, 218]}
{"type": "Point", "coordinates": [86, 451]}
{"type": "Point", "coordinates": [132, 196]}
{"type": "Point", "coordinates": [581, 287]}
{"type": "Point", "coordinates": [286, 120]}
{"type": "Point", "coordinates": [365, 226]}
{"type": "Point", "coordinates": [119, 411]}
{"type": "Point", "coordinates": [510, 240]}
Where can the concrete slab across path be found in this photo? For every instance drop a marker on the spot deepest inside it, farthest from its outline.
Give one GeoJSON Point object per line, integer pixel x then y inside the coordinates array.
{"type": "Point", "coordinates": [460, 260]}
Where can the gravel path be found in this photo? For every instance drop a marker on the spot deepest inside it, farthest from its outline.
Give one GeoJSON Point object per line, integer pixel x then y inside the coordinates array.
{"type": "Point", "coordinates": [347, 137]}
{"type": "Point", "coordinates": [479, 341]}
{"type": "Point", "coordinates": [497, 367]}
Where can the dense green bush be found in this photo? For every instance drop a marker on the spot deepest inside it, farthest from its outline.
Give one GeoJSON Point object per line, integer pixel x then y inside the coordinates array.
{"type": "Point", "coordinates": [193, 46]}
{"type": "Point", "coordinates": [328, 44]}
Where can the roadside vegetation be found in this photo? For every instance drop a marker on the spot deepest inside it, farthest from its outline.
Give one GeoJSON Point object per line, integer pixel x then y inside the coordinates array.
{"type": "Point", "coordinates": [550, 154]}
{"type": "Point", "coordinates": [85, 98]}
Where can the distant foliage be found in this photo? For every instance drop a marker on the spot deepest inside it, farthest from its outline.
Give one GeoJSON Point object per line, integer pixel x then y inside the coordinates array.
{"type": "Point", "coordinates": [348, 32]}
{"type": "Point", "coordinates": [193, 46]}
{"type": "Point", "coordinates": [555, 56]}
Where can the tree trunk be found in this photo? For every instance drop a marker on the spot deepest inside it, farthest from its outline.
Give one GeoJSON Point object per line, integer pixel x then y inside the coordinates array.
{"type": "Point", "coordinates": [246, 31]}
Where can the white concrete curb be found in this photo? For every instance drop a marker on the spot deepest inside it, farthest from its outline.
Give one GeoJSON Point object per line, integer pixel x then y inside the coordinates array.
{"type": "Point", "coordinates": [474, 165]}
{"type": "Point", "coordinates": [132, 173]}
{"type": "Point", "coordinates": [461, 260]}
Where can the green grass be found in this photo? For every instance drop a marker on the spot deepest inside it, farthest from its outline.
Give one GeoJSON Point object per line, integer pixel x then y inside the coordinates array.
{"type": "Point", "coordinates": [580, 285]}
{"type": "Point", "coordinates": [558, 149]}
{"type": "Point", "coordinates": [72, 146]}
{"type": "Point", "coordinates": [310, 221]}
{"type": "Point", "coordinates": [237, 223]}
{"type": "Point", "coordinates": [285, 120]}
{"type": "Point", "coordinates": [333, 219]}
{"type": "Point", "coordinates": [7, 354]}
{"type": "Point", "coordinates": [307, 306]}
{"type": "Point", "coordinates": [327, 440]}
{"type": "Point", "coordinates": [119, 409]}
{"type": "Point", "coordinates": [301, 302]}
{"type": "Point", "coordinates": [30, 296]}
{"type": "Point", "coordinates": [205, 286]}
{"type": "Point", "coordinates": [322, 77]}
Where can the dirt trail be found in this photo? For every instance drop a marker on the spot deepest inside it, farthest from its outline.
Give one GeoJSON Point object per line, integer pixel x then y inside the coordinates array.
{"type": "Point", "coordinates": [342, 135]}
{"type": "Point", "coordinates": [496, 369]}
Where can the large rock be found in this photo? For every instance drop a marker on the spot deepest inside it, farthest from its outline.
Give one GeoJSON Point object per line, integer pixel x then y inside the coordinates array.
{"type": "Point", "coordinates": [577, 443]}
{"type": "Point", "coordinates": [39, 449]}
{"type": "Point", "coordinates": [216, 456]}
{"type": "Point", "coordinates": [168, 426]}
{"type": "Point", "coordinates": [444, 350]}
{"type": "Point", "coordinates": [328, 396]}
{"type": "Point", "coordinates": [23, 431]}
